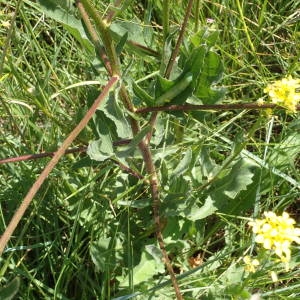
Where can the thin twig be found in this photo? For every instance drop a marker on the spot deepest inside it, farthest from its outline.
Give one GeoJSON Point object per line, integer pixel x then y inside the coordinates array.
{"type": "Point", "coordinates": [60, 152]}
{"type": "Point", "coordinates": [103, 30]}
{"type": "Point", "coordinates": [179, 40]}
{"type": "Point", "coordinates": [186, 107]}
{"type": "Point", "coordinates": [154, 187]}
{"type": "Point", "coordinates": [215, 107]}
{"type": "Point", "coordinates": [69, 151]}
{"type": "Point", "coordinates": [38, 155]}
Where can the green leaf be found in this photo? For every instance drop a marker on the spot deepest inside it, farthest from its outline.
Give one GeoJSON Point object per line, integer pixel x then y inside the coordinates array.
{"type": "Point", "coordinates": [100, 150]}
{"type": "Point", "coordinates": [132, 29]}
{"type": "Point", "coordinates": [138, 40]}
{"type": "Point", "coordinates": [145, 270]}
{"type": "Point", "coordinates": [195, 62]}
{"type": "Point", "coordinates": [211, 73]}
{"type": "Point", "coordinates": [205, 36]}
{"type": "Point", "coordinates": [142, 94]}
{"type": "Point", "coordinates": [155, 252]}
{"type": "Point", "coordinates": [62, 14]}
{"type": "Point", "coordinates": [177, 91]}
{"type": "Point", "coordinates": [113, 111]}
{"type": "Point", "coordinates": [285, 153]}
{"type": "Point", "coordinates": [208, 165]}
{"type": "Point", "coordinates": [131, 147]}
{"type": "Point", "coordinates": [225, 191]}
{"type": "Point", "coordinates": [99, 251]}
{"type": "Point", "coordinates": [184, 164]}
{"type": "Point", "coordinates": [121, 44]}
{"type": "Point", "coordinates": [238, 179]}
{"type": "Point", "coordinates": [8, 291]}
{"type": "Point", "coordinates": [197, 213]}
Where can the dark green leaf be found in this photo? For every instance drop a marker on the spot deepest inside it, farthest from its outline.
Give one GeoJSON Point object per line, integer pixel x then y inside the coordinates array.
{"type": "Point", "coordinates": [8, 291]}
{"type": "Point", "coordinates": [211, 72]}
{"type": "Point", "coordinates": [121, 44]}
{"type": "Point", "coordinates": [205, 36]}
{"type": "Point", "coordinates": [225, 192]}
{"type": "Point", "coordinates": [113, 111]}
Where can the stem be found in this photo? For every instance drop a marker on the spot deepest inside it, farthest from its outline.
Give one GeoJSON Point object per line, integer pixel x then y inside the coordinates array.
{"type": "Point", "coordinates": [179, 40]}
{"type": "Point", "coordinates": [154, 185]}
{"type": "Point", "coordinates": [104, 32]}
{"type": "Point", "coordinates": [197, 12]}
{"type": "Point", "coordinates": [111, 12]}
{"type": "Point", "coordinates": [166, 17]}
{"type": "Point", "coordinates": [172, 60]}
{"type": "Point", "coordinates": [216, 107]}
{"type": "Point", "coordinates": [94, 37]}
{"type": "Point", "coordinates": [73, 150]}
{"type": "Point", "coordinates": [60, 152]}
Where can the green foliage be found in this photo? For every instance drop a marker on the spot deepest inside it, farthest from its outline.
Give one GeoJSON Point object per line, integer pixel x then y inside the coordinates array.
{"type": "Point", "coordinates": [90, 232]}
{"type": "Point", "coordinates": [10, 290]}
{"type": "Point", "coordinates": [62, 12]}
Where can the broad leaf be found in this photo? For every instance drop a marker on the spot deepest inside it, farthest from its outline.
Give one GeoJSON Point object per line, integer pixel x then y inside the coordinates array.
{"type": "Point", "coordinates": [100, 150]}
{"type": "Point", "coordinates": [145, 270]}
{"type": "Point", "coordinates": [184, 164]}
{"type": "Point", "coordinates": [225, 191]}
{"type": "Point", "coordinates": [197, 213]}
{"type": "Point", "coordinates": [9, 291]}
{"type": "Point", "coordinates": [113, 111]}
{"type": "Point", "coordinates": [211, 73]}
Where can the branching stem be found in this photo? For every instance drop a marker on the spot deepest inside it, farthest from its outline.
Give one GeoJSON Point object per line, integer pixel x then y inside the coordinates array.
{"type": "Point", "coordinates": [103, 29]}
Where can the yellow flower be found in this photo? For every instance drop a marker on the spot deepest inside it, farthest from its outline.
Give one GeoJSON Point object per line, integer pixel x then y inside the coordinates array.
{"type": "Point", "coordinates": [250, 264]}
{"type": "Point", "coordinates": [5, 24]}
{"type": "Point", "coordinates": [260, 101]}
{"type": "Point", "coordinates": [285, 92]}
{"type": "Point", "coordinates": [276, 233]}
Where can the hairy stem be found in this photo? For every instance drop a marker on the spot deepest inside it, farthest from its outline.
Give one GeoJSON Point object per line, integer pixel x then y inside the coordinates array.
{"type": "Point", "coordinates": [154, 186]}
{"type": "Point", "coordinates": [106, 38]}
{"type": "Point", "coordinates": [197, 13]}
{"type": "Point", "coordinates": [60, 152]}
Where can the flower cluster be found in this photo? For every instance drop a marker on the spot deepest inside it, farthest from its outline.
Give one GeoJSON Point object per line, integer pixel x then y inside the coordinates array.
{"type": "Point", "coordinates": [285, 92]}
{"type": "Point", "coordinates": [250, 264]}
{"type": "Point", "coordinates": [276, 233]}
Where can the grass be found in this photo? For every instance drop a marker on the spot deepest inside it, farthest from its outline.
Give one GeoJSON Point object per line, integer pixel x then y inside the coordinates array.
{"type": "Point", "coordinates": [86, 232]}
